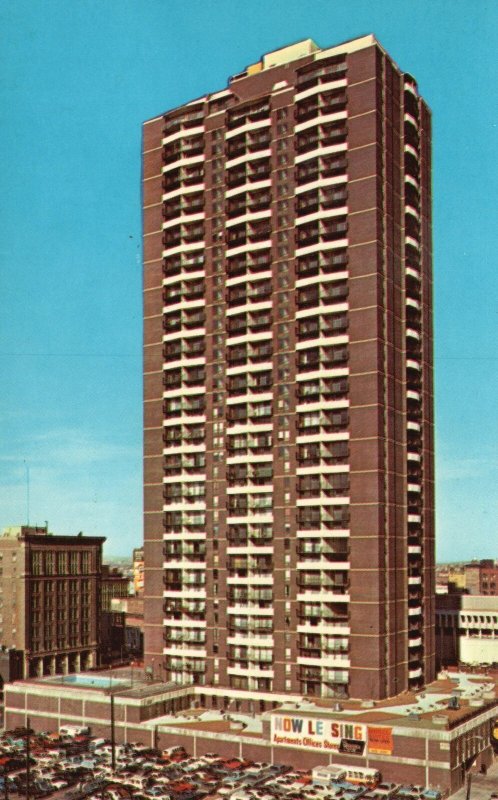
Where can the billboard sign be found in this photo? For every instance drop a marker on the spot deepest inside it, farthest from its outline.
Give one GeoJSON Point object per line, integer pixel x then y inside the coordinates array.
{"type": "Point", "coordinates": [318, 733]}
{"type": "Point", "coordinates": [352, 747]}
{"type": "Point", "coordinates": [380, 740]}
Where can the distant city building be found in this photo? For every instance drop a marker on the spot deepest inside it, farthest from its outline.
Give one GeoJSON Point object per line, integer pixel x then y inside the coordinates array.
{"type": "Point", "coordinates": [476, 577]}
{"type": "Point", "coordinates": [133, 610]}
{"type": "Point", "coordinates": [450, 577]}
{"type": "Point", "coordinates": [122, 630]}
{"type": "Point", "coordinates": [112, 643]}
{"type": "Point", "coordinates": [481, 577]}
{"type": "Point", "coordinates": [466, 629]}
{"type": "Point", "coordinates": [113, 584]}
{"type": "Point", "coordinates": [49, 599]}
{"type": "Point", "coordinates": [138, 570]}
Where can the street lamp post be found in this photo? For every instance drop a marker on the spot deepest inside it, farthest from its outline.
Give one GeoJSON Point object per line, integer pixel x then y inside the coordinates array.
{"type": "Point", "coordinates": [28, 758]}
{"type": "Point", "coordinates": [110, 692]}
{"type": "Point", "coordinates": [113, 737]}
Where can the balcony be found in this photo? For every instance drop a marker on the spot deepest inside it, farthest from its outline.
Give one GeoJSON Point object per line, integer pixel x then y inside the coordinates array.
{"type": "Point", "coordinates": [174, 209]}
{"type": "Point", "coordinates": [249, 172]}
{"type": "Point", "coordinates": [185, 121]}
{"type": "Point", "coordinates": [238, 118]}
{"type": "Point", "coordinates": [178, 178]}
{"type": "Point", "coordinates": [320, 105]}
{"type": "Point", "coordinates": [322, 233]}
{"type": "Point", "coordinates": [315, 76]}
{"type": "Point", "coordinates": [182, 149]}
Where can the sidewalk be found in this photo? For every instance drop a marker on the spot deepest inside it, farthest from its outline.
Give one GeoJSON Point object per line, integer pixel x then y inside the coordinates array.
{"type": "Point", "coordinates": [482, 785]}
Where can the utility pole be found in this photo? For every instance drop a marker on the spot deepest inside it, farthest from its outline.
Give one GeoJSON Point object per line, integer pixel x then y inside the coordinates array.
{"type": "Point", "coordinates": [469, 784]}
{"type": "Point", "coordinates": [113, 737]}
{"type": "Point", "coordinates": [28, 757]}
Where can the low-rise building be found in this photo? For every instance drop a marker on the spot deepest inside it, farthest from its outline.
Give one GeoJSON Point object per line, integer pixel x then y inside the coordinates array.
{"type": "Point", "coordinates": [133, 610]}
{"type": "Point", "coordinates": [476, 577]}
{"type": "Point", "coordinates": [112, 644]}
{"type": "Point", "coordinates": [428, 738]}
{"type": "Point", "coordinates": [112, 584]}
{"type": "Point", "coordinates": [481, 577]}
{"type": "Point", "coordinates": [467, 629]}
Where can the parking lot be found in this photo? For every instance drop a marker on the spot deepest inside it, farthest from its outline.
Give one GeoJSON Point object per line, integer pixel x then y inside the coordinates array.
{"type": "Point", "coordinates": [79, 767]}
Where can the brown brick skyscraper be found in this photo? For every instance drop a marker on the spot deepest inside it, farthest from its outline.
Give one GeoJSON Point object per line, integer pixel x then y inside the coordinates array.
{"type": "Point", "coordinates": [289, 541]}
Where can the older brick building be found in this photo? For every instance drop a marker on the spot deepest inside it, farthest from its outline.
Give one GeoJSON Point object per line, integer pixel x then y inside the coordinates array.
{"type": "Point", "coordinates": [50, 599]}
{"type": "Point", "coordinates": [112, 584]}
{"type": "Point", "coordinates": [289, 543]}
{"type": "Point", "coordinates": [481, 577]}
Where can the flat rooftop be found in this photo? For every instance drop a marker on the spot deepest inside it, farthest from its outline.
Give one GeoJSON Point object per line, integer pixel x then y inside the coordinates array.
{"type": "Point", "coordinates": [122, 681]}
{"type": "Point", "coordinates": [454, 697]}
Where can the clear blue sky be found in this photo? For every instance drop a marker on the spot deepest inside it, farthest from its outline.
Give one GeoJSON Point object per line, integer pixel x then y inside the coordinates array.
{"type": "Point", "coordinates": [77, 79]}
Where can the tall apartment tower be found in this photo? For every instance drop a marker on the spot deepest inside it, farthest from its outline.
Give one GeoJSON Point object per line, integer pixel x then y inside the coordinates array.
{"type": "Point", "coordinates": [289, 540]}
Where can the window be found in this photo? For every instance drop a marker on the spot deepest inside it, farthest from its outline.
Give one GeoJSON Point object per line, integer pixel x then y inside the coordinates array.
{"type": "Point", "coordinates": [36, 563]}
{"type": "Point", "coordinates": [74, 563]}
